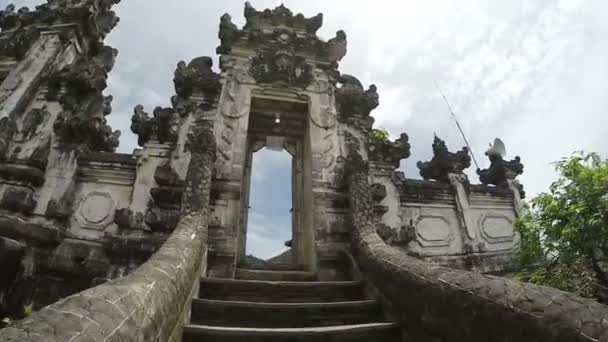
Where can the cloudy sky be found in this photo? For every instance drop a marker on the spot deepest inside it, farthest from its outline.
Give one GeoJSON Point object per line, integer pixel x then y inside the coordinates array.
{"type": "Point", "coordinates": [533, 72]}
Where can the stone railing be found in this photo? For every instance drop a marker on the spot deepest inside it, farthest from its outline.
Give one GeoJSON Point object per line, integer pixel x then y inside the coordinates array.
{"type": "Point", "coordinates": [152, 303]}
{"type": "Point", "coordinates": [443, 304]}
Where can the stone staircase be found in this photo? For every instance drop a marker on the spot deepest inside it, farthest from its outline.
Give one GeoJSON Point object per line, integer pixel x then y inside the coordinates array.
{"type": "Point", "coordinates": [281, 306]}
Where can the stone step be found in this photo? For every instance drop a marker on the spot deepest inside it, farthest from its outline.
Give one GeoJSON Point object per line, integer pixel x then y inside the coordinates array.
{"type": "Point", "coordinates": [280, 292]}
{"type": "Point", "coordinates": [284, 315]}
{"type": "Point", "coordinates": [272, 267]}
{"type": "Point", "coordinates": [372, 332]}
{"type": "Point", "coordinates": [272, 275]}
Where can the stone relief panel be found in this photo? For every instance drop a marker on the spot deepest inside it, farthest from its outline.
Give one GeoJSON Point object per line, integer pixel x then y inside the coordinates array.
{"type": "Point", "coordinates": [497, 228]}
{"type": "Point", "coordinates": [434, 231]}
{"type": "Point", "coordinates": [436, 228]}
{"type": "Point", "coordinates": [96, 210]}
{"type": "Point", "coordinates": [231, 127]}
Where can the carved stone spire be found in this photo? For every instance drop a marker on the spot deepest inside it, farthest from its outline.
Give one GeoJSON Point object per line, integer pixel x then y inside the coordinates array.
{"type": "Point", "coordinates": [391, 153]}
{"type": "Point", "coordinates": [197, 79]}
{"type": "Point", "coordinates": [444, 162]}
{"type": "Point", "coordinates": [281, 16]}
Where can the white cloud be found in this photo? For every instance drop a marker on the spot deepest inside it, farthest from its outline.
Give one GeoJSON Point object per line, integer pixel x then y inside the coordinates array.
{"type": "Point", "coordinates": [532, 72]}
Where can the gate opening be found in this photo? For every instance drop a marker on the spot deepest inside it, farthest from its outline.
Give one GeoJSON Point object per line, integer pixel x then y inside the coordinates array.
{"type": "Point", "coordinates": [270, 206]}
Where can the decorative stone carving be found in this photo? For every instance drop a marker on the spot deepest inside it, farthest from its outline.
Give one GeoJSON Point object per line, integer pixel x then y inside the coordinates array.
{"type": "Point", "coordinates": [96, 210]}
{"type": "Point", "coordinates": [78, 126]}
{"type": "Point", "coordinates": [197, 78]}
{"type": "Point", "coordinates": [353, 100]}
{"type": "Point", "coordinates": [18, 199]}
{"type": "Point", "coordinates": [22, 173]}
{"type": "Point", "coordinates": [160, 220]}
{"type": "Point", "coordinates": [228, 34]}
{"type": "Point", "coordinates": [33, 119]}
{"type": "Point", "coordinates": [8, 128]}
{"type": "Point", "coordinates": [85, 108]}
{"type": "Point", "coordinates": [87, 73]}
{"type": "Point", "coordinates": [444, 162]}
{"type": "Point", "coordinates": [281, 66]}
{"type": "Point", "coordinates": [378, 192]}
{"type": "Point", "coordinates": [281, 16]}
{"type": "Point", "coordinates": [385, 151]}
{"type": "Point", "coordinates": [126, 219]}
{"type": "Point", "coordinates": [163, 125]}
{"type": "Point", "coordinates": [501, 172]}
{"type": "Point", "coordinates": [17, 44]}
{"type": "Point", "coordinates": [94, 17]}
{"type": "Point", "coordinates": [397, 237]}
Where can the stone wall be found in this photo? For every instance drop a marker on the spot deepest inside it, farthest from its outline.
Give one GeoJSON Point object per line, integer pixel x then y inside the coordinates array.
{"type": "Point", "coordinates": [152, 302]}
{"type": "Point", "coordinates": [436, 303]}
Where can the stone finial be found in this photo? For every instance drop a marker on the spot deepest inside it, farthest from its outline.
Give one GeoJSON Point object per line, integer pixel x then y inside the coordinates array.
{"type": "Point", "coordinates": [501, 172]}
{"type": "Point", "coordinates": [197, 79]}
{"type": "Point", "coordinates": [353, 100]}
{"type": "Point", "coordinates": [444, 162]}
{"type": "Point", "coordinates": [228, 34]}
{"type": "Point", "coordinates": [163, 125]}
{"type": "Point", "coordinates": [391, 153]}
{"type": "Point", "coordinates": [281, 66]}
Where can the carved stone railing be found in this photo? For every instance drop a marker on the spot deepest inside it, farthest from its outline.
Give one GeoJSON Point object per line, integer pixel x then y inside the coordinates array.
{"type": "Point", "coordinates": [152, 303]}
{"type": "Point", "coordinates": [443, 304]}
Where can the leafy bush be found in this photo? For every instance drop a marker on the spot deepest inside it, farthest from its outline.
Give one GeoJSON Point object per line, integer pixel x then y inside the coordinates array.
{"type": "Point", "coordinates": [564, 235]}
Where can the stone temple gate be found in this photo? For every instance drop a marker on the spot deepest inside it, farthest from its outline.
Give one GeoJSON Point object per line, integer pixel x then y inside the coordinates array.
{"type": "Point", "coordinates": [150, 246]}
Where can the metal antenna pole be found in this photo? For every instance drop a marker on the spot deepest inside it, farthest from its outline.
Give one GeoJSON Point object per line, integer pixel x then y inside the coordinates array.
{"type": "Point", "coordinates": [458, 125]}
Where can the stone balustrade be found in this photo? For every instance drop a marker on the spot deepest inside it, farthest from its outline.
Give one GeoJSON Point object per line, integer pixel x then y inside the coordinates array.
{"type": "Point", "coordinates": [445, 304]}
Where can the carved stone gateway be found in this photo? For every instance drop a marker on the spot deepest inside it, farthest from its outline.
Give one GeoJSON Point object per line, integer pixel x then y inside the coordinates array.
{"type": "Point", "coordinates": [73, 213]}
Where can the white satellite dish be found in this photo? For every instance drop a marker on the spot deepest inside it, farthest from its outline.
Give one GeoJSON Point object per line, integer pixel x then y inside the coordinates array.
{"type": "Point", "coordinates": [497, 149]}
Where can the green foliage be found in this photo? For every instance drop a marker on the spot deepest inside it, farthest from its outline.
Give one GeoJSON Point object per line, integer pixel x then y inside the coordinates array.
{"type": "Point", "coordinates": [564, 235]}
{"type": "Point", "coordinates": [28, 309]}
{"type": "Point", "coordinates": [380, 134]}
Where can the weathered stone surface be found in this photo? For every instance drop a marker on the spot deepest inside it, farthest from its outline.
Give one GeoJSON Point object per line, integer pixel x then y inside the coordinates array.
{"type": "Point", "coordinates": [444, 162]}
{"type": "Point", "coordinates": [148, 304]}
